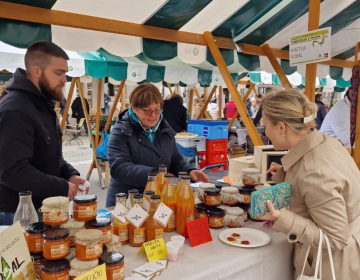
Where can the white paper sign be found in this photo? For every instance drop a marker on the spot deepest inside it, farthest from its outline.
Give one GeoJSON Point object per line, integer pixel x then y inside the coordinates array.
{"type": "Point", "coordinates": [163, 214]}
{"type": "Point", "coordinates": [148, 269]}
{"type": "Point", "coordinates": [137, 276]}
{"type": "Point", "coordinates": [120, 212]}
{"type": "Point", "coordinates": [146, 205]}
{"type": "Point", "coordinates": [311, 47]}
{"type": "Point", "coordinates": [137, 216]}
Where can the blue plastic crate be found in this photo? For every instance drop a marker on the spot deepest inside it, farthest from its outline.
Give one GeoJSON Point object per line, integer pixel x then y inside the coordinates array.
{"type": "Point", "coordinates": [210, 129]}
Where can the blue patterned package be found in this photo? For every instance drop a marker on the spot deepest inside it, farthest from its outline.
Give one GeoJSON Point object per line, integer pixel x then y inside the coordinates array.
{"type": "Point", "coordinates": [280, 195]}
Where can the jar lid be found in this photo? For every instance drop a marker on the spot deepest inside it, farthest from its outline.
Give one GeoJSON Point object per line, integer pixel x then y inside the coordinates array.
{"type": "Point", "coordinates": [251, 171]}
{"type": "Point", "coordinates": [39, 227]}
{"type": "Point", "coordinates": [261, 187]}
{"type": "Point", "coordinates": [121, 194]}
{"type": "Point", "coordinates": [36, 256]}
{"type": "Point", "coordinates": [153, 173]}
{"type": "Point", "coordinates": [85, 198]}
{"type": "Point", "coordinates": [204, 186]}
{"type": "Point", "coordinates": [201, 207]}
{"type": "Point", "coordinates": [155, 196]}
{"type": "Point", "coordinates": [212, 191]}
{"type": "Point", "coordinates": [216, 211]}
{"type": "Point", "coordinates": [236, 211]}
{"type": "Point", "coordinates": [149, 192]}
{"type": "Point", "coordinates": [138, 195]}
{"type": "Point", "coordinates": [169, 176]}
{"type": "Point", "coordinates": [111, 258]}
{"type": "Point", "coordinates": [182, 173]}
{"type": "Point", "coordinates": [230, 189]}
{"type": "Point", "coordinates": [55, 266]}
{"type": "Point", "coordinates": [73, 224]}
{"type": "Point", "coordinates": [99, 222]}
{"type": "Point", "coordinates": [55, 233]}
{"type": "Point", "coordinates": [56, 202]}
{"type": "Point", "coordinates": [133, 191]}
{"type": "Point", "coordinates": [162, 165]}
{"type": "Point", "coordinates": [185, 177]}
{"type": "Point", "coordinates": [246, 190]}
{"type": "Point", "coordinates": [25, 193]}
{"type": "Point", "coordinates": [83, 265]}
{"type": "Point", "coordinates": [88, 235]}
{"type": "Point", "coordinates": [238, 184]}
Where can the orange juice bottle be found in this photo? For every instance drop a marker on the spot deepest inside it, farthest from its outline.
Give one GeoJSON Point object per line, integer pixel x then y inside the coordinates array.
{"type": "Point", "coordinates": [152, 184]}
{"type": "Point", "coordinates": [185, 210]}
{"type": "Point", "coordinates": [154, 230]}
{"type": "Point", "coordinates": [168, 197]}
{"type": "Point", "coordinates": [179, 182]}
{"type": "Point", "coordinates": [137, 236]}
{"type": "Point", "coordinates": [119, 228]}
{"type": "Point", "coordinates": [160, 176]}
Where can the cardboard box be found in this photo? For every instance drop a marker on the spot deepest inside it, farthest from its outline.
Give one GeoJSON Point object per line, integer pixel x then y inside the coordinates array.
{"type": "Point", "coordinates": [236, 154]}
{"type": "Point", "coordinates": [258, 150]}
{"type": "Point", "coordinates": [236, 166]}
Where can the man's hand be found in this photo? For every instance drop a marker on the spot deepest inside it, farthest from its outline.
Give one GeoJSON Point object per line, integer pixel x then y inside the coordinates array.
{"type": "Point", "coordinates": [197, 176]}
{"type": "Point", "coordinates": [272, 215]}
{"type": "Point", "coordinates": [77, 180]}
{"type": "Point", "coordinates": [274, 167]}
{"type": "Point", "coordinates": [73, 190]}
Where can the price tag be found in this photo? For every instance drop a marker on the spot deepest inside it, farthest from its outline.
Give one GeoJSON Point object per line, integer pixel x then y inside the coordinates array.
{"type": "Point", "coordinates": [198, 231]}
{"type": "Point", "coordinates": [163, 214]}
{"type": "Point", "coordinates": [120, 212]}
{"type": "Point", "coordinates": [137, 216]}
{"type": "Point", "coordinates": [98, 273]}
{"type": "Point", "coordinates": [154, 249]}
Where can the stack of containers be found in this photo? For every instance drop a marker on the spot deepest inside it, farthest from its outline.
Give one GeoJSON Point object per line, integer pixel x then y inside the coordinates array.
{"type": "Point", "coordinates": [199, 143]}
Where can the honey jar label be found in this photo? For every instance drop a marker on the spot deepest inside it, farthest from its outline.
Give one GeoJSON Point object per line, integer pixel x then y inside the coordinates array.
{"type": "Point", "coordinates": [159, 233]}
{"type": "Point", "coordinates": [123, 233]}
{"type": "Point", "coordinates": [39, 245]}
{"type": "Point", "coordinates": [60, 250]}
{"type": "Point", "coordinates": [53, 216]}
{"type": "Point", "coordinates": [216, 222]}
{"type": "Point", "coordinates": [213, 200]}
{"type": "Point", "coordinates": [94, 251]}
{"type": "Point", "coordinates": [139, 235]}
{"type": "Point", "coordinates": [86, 211]}
{"type": "Point", "coordinates": [201, 215]}
{"type": "Point", "coordinates": [72, 241]}
{"type": "Point", "coordinates": [118, 274]}
{"type": "Point", "coordinates": [190, 215]}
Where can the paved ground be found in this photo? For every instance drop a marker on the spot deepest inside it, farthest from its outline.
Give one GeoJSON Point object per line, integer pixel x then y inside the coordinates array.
{"type": "Point", "coordinates": [81, 156]}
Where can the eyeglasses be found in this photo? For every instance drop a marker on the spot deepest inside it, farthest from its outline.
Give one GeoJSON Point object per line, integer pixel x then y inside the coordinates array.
{"type": "Point", "coordinates": [148, 112]}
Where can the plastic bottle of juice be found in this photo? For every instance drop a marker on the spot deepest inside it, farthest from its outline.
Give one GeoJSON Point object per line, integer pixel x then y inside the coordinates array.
{"type": "Point", "coordinates": [185, 210]}
{"type": "Point", "coordinates": [119, 228]}
{"type": "Point", "coordinates": [154, 230]}
{"type": "Point", "coordinates": [169, 198]}
{"type": "Point", "coordinates": [160, 176]}
{"type": "Point", "coordinates": [137, 236]}
{"type": "Point", "coordinates": [179, 182]}
{"type": "Point", "coordinates": [152, 184]}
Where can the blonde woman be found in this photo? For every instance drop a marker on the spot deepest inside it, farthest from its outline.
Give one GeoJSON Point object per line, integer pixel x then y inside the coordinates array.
{"type": "Point", "coordinates": [326, 186]}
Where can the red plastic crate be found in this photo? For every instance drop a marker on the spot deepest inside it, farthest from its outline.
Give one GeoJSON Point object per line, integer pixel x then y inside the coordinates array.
{"type": "Point", "coordinates": [216, 145]}
{"type": "Point", "coordinates": [221, 168]}
{"type": "Point", "coordinates": [202, 157]}
{"type": "Point", "coordinates": [202, 165]}
{"type": "Point", "coordinates": [216, 157]}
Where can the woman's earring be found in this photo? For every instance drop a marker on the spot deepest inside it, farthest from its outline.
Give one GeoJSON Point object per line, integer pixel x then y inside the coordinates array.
{"type": "Point", "coordinates": [282, 134]}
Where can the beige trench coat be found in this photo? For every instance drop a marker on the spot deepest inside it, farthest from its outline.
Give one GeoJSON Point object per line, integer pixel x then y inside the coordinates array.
{"type": "Point", "coordinates": [196, 111]}
{"type": "Point", "coordinates": [326, 195]}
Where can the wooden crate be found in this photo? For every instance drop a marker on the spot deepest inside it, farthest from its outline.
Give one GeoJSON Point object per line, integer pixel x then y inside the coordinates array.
{"type": "Point", "coordinates": [236, 154]}
{"type": "Point", "coordinates": [236, 166]}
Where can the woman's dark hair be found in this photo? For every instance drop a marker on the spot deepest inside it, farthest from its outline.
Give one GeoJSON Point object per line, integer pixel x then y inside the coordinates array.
{"type": "Point", "coordinates": [178, 98]}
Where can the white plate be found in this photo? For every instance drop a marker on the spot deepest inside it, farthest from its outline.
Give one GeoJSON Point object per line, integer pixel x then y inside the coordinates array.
{"type": "Point", "coordinates": [256, 237]}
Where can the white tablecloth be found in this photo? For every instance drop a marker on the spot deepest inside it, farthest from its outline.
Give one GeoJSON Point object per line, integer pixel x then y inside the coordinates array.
{"type": "Point", "coordinates": [217, 260]}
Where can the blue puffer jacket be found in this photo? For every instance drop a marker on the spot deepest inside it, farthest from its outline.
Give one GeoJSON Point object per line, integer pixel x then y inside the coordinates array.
{"type": "Point", "coordinates": [132, 156]}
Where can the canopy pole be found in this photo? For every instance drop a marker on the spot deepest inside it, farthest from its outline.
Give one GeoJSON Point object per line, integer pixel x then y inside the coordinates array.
{"type": "Point", "coordinates": [170, 89]}
{"type": "Point", "coordinates": [204, 108]}
{"type": "Point", "coordinates": [176, 89]}
{"type": "Point", "coordinates": [318, 90]}
{"type": "Point", "coordinates": [68, 101]}
{"type": "Point", "coordinates": [191, 103]}
{"type": "Point", "coordinates": [310, 77]}
{"type": "Point", "coordinates": [205, 93]}
{"type": "Point", "coordinates": [202, 104]}
{"type": "Point", "coordinates": [123, 96]}
{"type": "Point", "coordinates": [98, 112]}
{"type": "Point", "coordinates": [356, 150]}
{"type": "Point", "coordinates": [220, 102]}
{"type": "Point", "coordinates": [113, 108]}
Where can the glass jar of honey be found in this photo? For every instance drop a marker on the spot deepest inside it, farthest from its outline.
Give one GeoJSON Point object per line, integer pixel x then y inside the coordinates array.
{"type": "Point", "coordinates": [212, 197]}
{"type": "Point", "coordinates": [89, 244]}
{"type": "Point", "coordinates": [230, 196]}
{"type": "Point", "coordinates": [55, 270]}
{"type": "Point", "coordinates": [216, 218]}
{"type": "Point", "coordinates": [201, 189]}
{"type": "Point", "coordinates": [78, 267]}
{"type": "Point", "coordinates": [200, 211]}
{"type": "Point", "coordinates": [85, 207]}
{"type": "Point", "coordinates": [114, 245]}
{"type": "Point", "coordinates": [245, 194]}
{"type": "Point", "coordinates": [34, 236]}
{"type": "Point", "coordinates": [73, 227]}
{"type": "Point", "coordinates": [55, 210]}
{"type": "Point", "coordinates": [103, 224]}
{"type": "Point", "coordinates": [235, 217]}
{"type": "Point", "coordinates": [114, 263]}
{"type": "Point", "coordinates": [56, 243]}
{"type": "Point", "coordinates": [250, 177]}
{"type": "Point", "coordinates": [37, 260]}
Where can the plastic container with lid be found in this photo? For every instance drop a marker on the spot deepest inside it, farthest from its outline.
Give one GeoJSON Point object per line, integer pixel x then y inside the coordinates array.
{"type": "Point", "coordinates": [114, 245]}
{"type": "Point", "coordinates": [216, 217]}
{"type": "Point", "coordinates": [201, 189]}
{"type": "Point", "coordinates": [78, 267]}
{"type": "Point", "coordinates": [212, 197]}
{"type": "Point", "coordinates": [230, 196]}
{"type": "Point", "coordinates": [55, 210]}
{"type": "Point", "coordinates": [89, 244]}
{"type": "Point", "coordinates": [103, 224]}
{"type": "Point", "coordinates": [245, 195]}
{"type": "Point", "coordinates": [55, 270]}
{"type": "Point", "coordinates": [56, 243]}
{"type": "Point", "coordinates": [37, 260]}
{"type": "Point", "coordinates": [114, 263]}
{"type": "Point", "coordinates": [34, 236]}
{"type": "Point", "coordinates": [235, 217]}
{"type": "Point", "coordinates": [200, 211]}
{"type": "Point", "coordinates": [250, 177]}
{"type": "Point", "coordinates": [73, 227]}
{"type": "Point", "coordinates": [85, 207]}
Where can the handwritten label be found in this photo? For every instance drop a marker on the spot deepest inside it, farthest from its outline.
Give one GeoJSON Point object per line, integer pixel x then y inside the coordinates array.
{"type": "Point", "coordinates": [137, 216]}
{"type": "Point", "coordinates": [98, 273]}
{"type": "Point", "coordinates": [163, 214]}
{"type": "Point", "coordinates": [154, 249]}
{"type": "Point", "coordinates": [148, 269]}
{"type": "Point", "coordinates": [198, 231]}
{"type": "Point", "coordinates": [120, 212]}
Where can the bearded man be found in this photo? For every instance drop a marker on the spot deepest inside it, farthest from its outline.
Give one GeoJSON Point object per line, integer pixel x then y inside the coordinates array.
{"type": "Point", "coordinates": [31, 138]}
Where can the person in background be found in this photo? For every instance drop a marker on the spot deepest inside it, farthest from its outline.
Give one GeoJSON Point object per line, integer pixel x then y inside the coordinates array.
{"type": "Point", "coordinates": [325, 187]}
{"type": "Point", "coordinates": [78, 111]}
{"type": "Point", "coordinates": [213, 109]}
{"type": "Point", "coordinates": [62, 109]}
{"type": "Point", "coordinates": [175, 113]}
{"type": "Point", "coordinates": [229, 111]}
{"type": "Point", "coordinates": [140, 141]}
{"type": "Point", "coordinates": [31, 143]}
{"type": "Point", "coordinates": [321, 113]}
{"type": "Point", "coordinates": [107, 99]}
{"type": "Point", "coordinates": [253, 107]}
{"type": "Point", "coordinates": [337, 120]}
{"type": "Point", "coordinates": [196, 110]}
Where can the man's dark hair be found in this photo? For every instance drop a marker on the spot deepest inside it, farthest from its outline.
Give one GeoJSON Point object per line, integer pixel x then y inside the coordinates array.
{"type": "Point", "coordinates": [39, 54]}
{"type": "Point", "coordinates": [178, 98]}
{"type": "Point", "coordinates": [318, 96]}
{"type": "Point", "coordinates": [347, 94]}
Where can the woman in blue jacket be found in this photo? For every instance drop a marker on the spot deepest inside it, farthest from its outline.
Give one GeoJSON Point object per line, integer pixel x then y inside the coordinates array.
{"type": "Point", "coordinates": [140, 141]}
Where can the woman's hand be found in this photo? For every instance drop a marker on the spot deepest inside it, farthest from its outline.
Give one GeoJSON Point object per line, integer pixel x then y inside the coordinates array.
{"type": "Point", "coordinates": [198, 176]}
{"type": "Point", "coordinates": [274, 167]}
{"type": "Point", "coordinates": [272, 215]}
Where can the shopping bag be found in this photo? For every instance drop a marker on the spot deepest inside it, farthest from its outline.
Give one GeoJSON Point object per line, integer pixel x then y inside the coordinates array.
{"type": "Point", "coordinates": [102, 149]}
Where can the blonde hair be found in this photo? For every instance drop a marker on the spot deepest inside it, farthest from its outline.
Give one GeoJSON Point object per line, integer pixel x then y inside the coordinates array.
{"type": "Point", "coordinates": [291, 107]}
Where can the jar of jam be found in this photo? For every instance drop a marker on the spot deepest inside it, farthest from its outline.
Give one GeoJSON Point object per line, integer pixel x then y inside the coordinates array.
{"type": "Point", "coordinates": [250, 177]}
{"type": "Point", "coordinates": [55, 270]}
{"type": "Point", "coordinates": [212, 197]}
{"type": "Point", "coordinates": [89, 244]}
{"type": "Point", "coordinates": [78, 267]}
{"type": "Point", "coordinates": [114, 245]}
{"type": "Point", "coordinates": [85, 207]}
{"type": "Point", "coordinates": [73, 227]}
{"type": "Point", "coordinates": [103, 224]}
{"type": "Point", "coordinates": [244, 207]}
{"type": "Point", "coordinates": [245, 195]}
{"type": "Point", "coordinates": [56, 243]}
{"type": "Point", "coordinates": [216, 218]}
{"type": "Point", "coordinates": [34, 236]}
{"type": "Point", "coordinates": [114, 263]}
{"type": "Point", "coordinates": [55, 210]}
{"type": "Point", "coordinates": [200, 211]}
{"type": "Point", "coordinates": [230, 196]}
{"type": "Point", "coordinates": [235, 217]}
{"type": "Point", "coordinates": [201, 189]}
{"type": "Point", "coordinates": [72, 255]}
{"type": "Point", "coordinates": [37, 260]}
{"type": "Point", "coordinates": [252, 218]}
